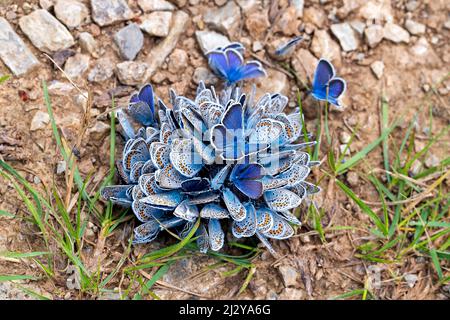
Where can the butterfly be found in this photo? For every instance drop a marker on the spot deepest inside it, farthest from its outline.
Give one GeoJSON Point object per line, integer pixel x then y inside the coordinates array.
{"type": "Point", "coordinates": [326, 86]}
{"type": "Point", "coordinates": [228, 136]}
{"type": "Point", "coordinates": [142, 106]}
{"type": "Point", "coordinates": [247, 178]}
{"type": "Point", "coordinates": [288, 47]}
{"type": "Point", "coordinates": [228, 64]}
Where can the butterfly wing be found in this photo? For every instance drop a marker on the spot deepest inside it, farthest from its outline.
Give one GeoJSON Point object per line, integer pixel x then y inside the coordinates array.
{"type": "Point", "coordinates": [282, 199]}
{"type": "Point", "coordinates": [246, 227]}
{"type": "Point", "coordinates": [234, 206]}
{"type": "Point", "coordinates": [247, 178]}
{"type": "Point", "coordinates": [214, 211]}
{"type": "Point", "coordinates": [323, 74]}
{"type": "Point", "coordinates": [146, 95]}
{"type": "Point", "coordinates": [216, 235]}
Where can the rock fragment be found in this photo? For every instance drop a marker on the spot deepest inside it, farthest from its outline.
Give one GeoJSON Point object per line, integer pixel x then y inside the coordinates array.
{"type": "Point", "coordinates": [155, 5]}
{"type": "Point", "coordinates": [88, 44]}
{"type": "Point", "coordinates": [39, 121]}
{"type": "Point", "coordinates": [346, 36]}
{"type": "Point", "coordinates": [71, 12]}
{"type": "Point", "coordinates": [106, 12]}
{"type": "Point", "coordinates": [13, 51]}
{"type": "Point", "coordinates": [45, 31]}
{"type": "Point", "coordinates": [76, 65]}
{"type": "Point", "coordinates": [377, 68]}
{"type": "Point", "coordinates": [131, 73]}
{"type": "Point", "coordinates": [157, 23]}
{"type": "Point", "coordinates": [415, 28]}
{"type": "Point", "coordinates": [323, 46]}
{"type": "Point", "coordinates": [129, 40]}
{"type": "Point", "coordinates": [102, 70]}
{"type": "Point", "coordinates": [289, 275]}
{"type": "Point", "coordinates": [209, 40]}
{"type": "Point", "coordinates": [374, 34]}
{"type": "Point", "coordinates": [225, 19]}
{"type": "Point", "coordinates": [395, 33]}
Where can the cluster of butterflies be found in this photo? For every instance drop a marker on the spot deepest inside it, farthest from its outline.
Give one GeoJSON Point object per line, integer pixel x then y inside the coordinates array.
{"type": "Point", "coordinates": [216, 159]}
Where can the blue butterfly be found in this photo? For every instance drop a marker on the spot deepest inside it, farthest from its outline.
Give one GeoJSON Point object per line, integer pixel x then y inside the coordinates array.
{"type": "Point", "coordinates": [228, 64]}
{"type": "Point", "coordinates": [247, 178]}
{"type": "Point", "coordinates": [326, 86]}
{"type": "Point", "coordinates": [228, 136]}
{"type": "Point", "coordinates": [288, 47]}
{"type": "Point", "coordinates": [142, 106]}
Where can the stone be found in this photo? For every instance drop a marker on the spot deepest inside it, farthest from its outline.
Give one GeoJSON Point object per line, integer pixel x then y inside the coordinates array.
{"type": "Point", "coordinates": [374, 34]}
{"type": "Point", "coordinates": [71, 12]}
{"type": "Point", "coordinates": [178, 61]}
{"type": "Point", "coordinates": [61, 167]}
{"type": "Point", "coordinates": [249, 6]}
{"type": "Point", "coordinates": [46, 4]}
{"type": "Point", "coordinates": [346, 36]}
{"type": "Point", "coordinates": [157, 23]}
{"type": "Point", "coordinates": [352, 179]}
{"type": "Point", "coordinates": [88, 44]}
{"type": "Point", "coordinates": [102, 70]}
{"type": "Point", "coordinates": [358, 26]}
{"type": "Point", "coordinates": [99, 130]}
{"type": "Point", "coordinates": [423, 51]}
{"type": "Point", "coordinates": [315, 16]}
{"type": "Point", "coordinates": [377, 68]}
{"type": "Point", "coordinates": [257, 46]}
{"type": "Point", "coordinates": [287, 23]}
{"type": "Point", "coordinates": [291, 294]}
{"type": "Point", "coordinates": [395, 33]}
{"type": "Point", "coordinates": [13, 51]}
{"type": "Point", "coordinates": [411, 279]}
{"type": "Point", "coordinates": [344, 149]}
{"type": "Point", "coordinates": [39, 121]}
{"type": "Point", "coordinates": [45, 31]}
{"type": "Point", "coordinates": [155, 5]}
{"type": "Point", "coordinates": [257, 24]}
{"type": "Point", "coordinates": [59, 88]}
{"type": "Point", "coordinates": [225, 19]}
{"type": "Point", "coordinates": [209, 40]}
{"type": "Point", "coordinates": [131, 73]}
{"type": "Point", "coordinates": [322, 46]}
{"type": "Point", "coordinates": [412, 5]}
{"type": "Point", "coordinates": [289, 275]}
{"type": "Point", "coordinates": [205, 75]}
{"type": "Point", "coordinates": [158, 54]}
{"type": "Point", "coordinates": [76, 65]}
{"type": "Point", "coordinates": [129, 40]}
{"type": "Point", "coordinates": [81, 100]}
{"type": "Point", "coordinates": [414, 27]}
{"type": "Point", "coordinates": [298, 5]}
{"type": "Point", "coordinates": [447, 24]}
{"type": "Point", "coordinates": [304, 64]}
{"type": "Point", "coordinates": [344, 137]}
{"type": "Point", "coordinates": [106, 12]}
{"type": "Point", "coordinates": [379, 10]}
{"type": "Point", "coordinates": [431, 161]}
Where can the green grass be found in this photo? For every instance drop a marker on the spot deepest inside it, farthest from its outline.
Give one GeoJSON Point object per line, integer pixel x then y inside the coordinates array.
{"type": "Point", "coordinates": [408, 221]}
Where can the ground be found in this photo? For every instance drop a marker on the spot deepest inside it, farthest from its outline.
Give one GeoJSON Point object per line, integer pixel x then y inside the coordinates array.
{"type": "Point", "coordinates": [414, 84]}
